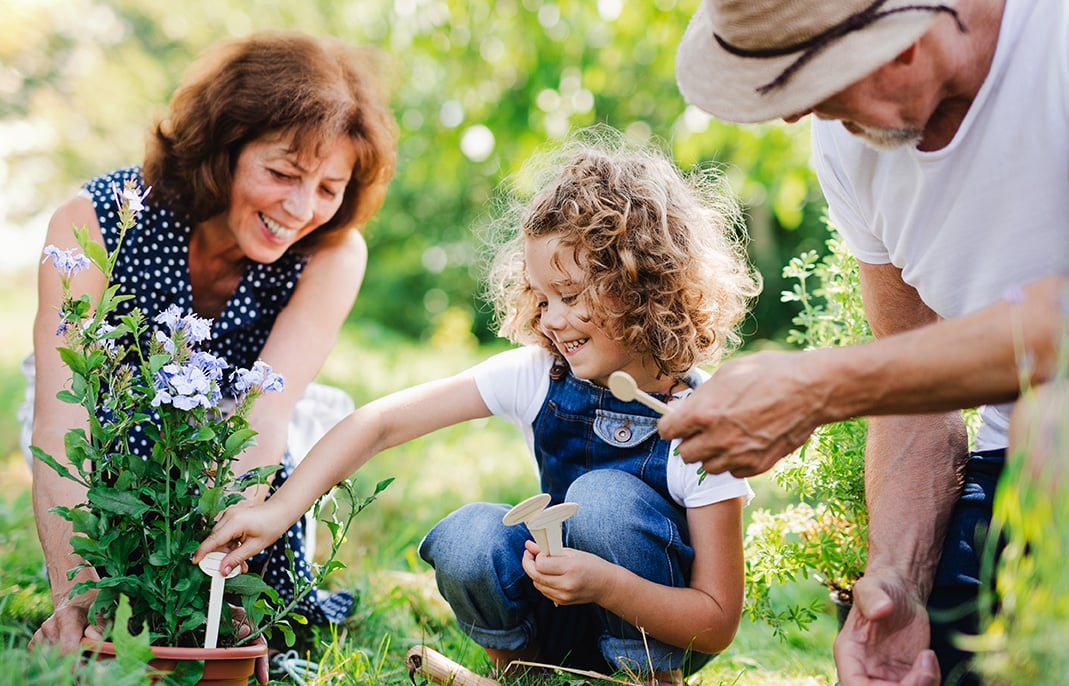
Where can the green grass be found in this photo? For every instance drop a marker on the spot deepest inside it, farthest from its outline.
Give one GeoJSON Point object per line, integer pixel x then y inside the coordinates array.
{"type": "Point", "coordinates": [398, 604]}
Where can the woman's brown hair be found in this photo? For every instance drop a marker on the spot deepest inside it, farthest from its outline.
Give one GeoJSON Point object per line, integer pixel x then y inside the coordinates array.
{"type": "Point", "coordinates": [274, 82]}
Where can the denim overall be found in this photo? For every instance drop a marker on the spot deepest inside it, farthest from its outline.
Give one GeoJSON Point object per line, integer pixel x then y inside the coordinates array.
{"type": "Point", "coordinates": [606, 455]}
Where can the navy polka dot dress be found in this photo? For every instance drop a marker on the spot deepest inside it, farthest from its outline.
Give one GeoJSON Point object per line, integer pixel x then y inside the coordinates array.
{"type": "Point", "coordinates": [153, 267]}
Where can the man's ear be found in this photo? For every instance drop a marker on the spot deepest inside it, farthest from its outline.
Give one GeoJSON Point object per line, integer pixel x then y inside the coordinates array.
{"type": "Point", "coordinates": [906, 57]}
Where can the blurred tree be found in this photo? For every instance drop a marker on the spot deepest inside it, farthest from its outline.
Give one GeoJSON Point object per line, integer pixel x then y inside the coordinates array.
{"type": "Point", "coordinates": [477, 87]}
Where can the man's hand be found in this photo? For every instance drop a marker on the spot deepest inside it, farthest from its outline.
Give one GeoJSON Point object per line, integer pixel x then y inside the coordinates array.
{"type": "Point", "coordinates": [885, 638]}
{"type": "Point", "coordinates": [753, 411]}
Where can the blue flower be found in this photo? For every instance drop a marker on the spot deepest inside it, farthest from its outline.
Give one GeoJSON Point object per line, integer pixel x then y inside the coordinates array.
{"type": "Point", "coordinates": [171, 318]}
{"type": "Point", "coordinates": [66, 261]}
{"type": "Point", "coordinates": [184, 387]}
{"type": "Point", "coordinates": [165, 342]}
{"type": "Point", "coordinates": [260, 379]}
{"type": "Point", "coordinates": [195, 328]}
{"type": "Point", "coordinates": [211, 365]}
{"type": "Point", "coordinates": [128, 197]}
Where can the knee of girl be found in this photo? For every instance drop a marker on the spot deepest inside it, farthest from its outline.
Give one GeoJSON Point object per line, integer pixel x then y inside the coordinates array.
{"type": "Point", "coordinates": [602, 490]}
{"type": "Point", "coordinates": [472, 543]}
{"type": "Point", "coordinates": [604, 498]}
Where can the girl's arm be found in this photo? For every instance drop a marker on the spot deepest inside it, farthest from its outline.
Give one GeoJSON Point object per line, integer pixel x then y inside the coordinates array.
{"type": "Point", "coordinates": [300, 340]}
{"type": "Point", "coordinates": [381, 424]}
{"type": "Point", "coordinates": [703, 616]}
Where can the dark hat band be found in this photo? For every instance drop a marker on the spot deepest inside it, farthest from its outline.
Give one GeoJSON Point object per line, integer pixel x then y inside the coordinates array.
{"type": "Point", "coordinates": [812, 46]}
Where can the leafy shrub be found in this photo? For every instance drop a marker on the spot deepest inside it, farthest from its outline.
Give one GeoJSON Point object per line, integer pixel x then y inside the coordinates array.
{"type": "Point", "coordinates": [823, 536]}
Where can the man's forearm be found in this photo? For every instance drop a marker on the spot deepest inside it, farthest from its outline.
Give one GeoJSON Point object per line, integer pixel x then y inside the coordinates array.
{"type": "Point", "coordinates": [913, 476]}
{"type": "Point", "coordinates": [952, 364]}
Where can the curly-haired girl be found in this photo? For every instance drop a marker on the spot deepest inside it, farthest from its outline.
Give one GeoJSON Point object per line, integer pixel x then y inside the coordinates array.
{"type": "Point", "coordinates": [617, 262]}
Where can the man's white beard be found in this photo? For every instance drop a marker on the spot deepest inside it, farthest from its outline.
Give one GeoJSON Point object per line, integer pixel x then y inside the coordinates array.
{"type": "Point", "coordinates": [884, 139]}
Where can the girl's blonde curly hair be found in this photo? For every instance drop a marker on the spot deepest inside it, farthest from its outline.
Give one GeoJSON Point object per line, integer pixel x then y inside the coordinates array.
{"type": "Point", "coordinates": [663, 251]}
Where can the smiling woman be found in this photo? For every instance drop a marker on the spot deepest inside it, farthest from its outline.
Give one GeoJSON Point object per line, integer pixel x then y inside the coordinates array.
{"type": "Point", "coordinates": [275, 149]}
{"type": "Point", "coordinates": [280, 196]}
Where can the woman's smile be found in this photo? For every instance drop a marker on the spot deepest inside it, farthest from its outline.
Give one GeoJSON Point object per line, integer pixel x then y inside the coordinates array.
{"type": "Point", "coordinates": [277, 230]}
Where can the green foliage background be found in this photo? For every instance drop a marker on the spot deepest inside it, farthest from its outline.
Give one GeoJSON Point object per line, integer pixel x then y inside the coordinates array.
{"type": "Point", "coordinates": [82, 79]}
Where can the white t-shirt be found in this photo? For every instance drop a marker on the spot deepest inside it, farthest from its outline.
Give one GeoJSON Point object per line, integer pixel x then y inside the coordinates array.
{"type": "Point", "coordinates": [514, 385]}
{"type": "Point", "coordinates": [987, 214]}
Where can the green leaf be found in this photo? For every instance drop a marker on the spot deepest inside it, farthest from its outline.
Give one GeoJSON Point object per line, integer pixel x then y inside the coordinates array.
{"type": "Point", "coordinates": [74, 360]}
{"type": "Point", "coordinates": [238, 441]}
{"type": "Point", "coordinates": [247, 585]}
{"type": "Point", "coordinates": [86, 547]}
{"type": "Point", "coordinates": [58, 468]}
{"type": "Point", "coordinates": [117, 502]}
{"type": "Point", "coordinates": [211, 502]}
{"type": "Point", "coordinates": [93, 250]}
{"type": "Point", "coordinates": [68, 397]}
{"type": "Point", "coordinates": [287, 633]}
{"type": "Point", "coordinates": [84, 522]}
{"type": "Point", "coordinates": [204, 433]}
{"type": "Point", "coordinates": [156, 362]}
{"type": "Point", "coordinates": [116, 582]}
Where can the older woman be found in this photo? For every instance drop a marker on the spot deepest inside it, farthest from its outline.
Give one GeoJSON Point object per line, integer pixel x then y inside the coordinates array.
{"type": "Point", "coordinates": [276, 148]}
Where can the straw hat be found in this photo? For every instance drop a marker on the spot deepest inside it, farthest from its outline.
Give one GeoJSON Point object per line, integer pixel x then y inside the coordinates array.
{"type": "Point", "coordinates": [755, 60]}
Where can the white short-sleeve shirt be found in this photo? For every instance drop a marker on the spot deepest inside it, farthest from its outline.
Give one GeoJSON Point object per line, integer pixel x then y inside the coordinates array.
{"type": "Point", "coordinates": [987, 214]}
{"type": "Point", "coordinates": [514, 385]}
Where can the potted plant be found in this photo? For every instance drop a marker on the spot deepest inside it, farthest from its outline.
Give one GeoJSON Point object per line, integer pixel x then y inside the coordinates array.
{"type": "Point", "coordinates": [823, 534]}
{"type": "Point", "coordinates": [146, 378]}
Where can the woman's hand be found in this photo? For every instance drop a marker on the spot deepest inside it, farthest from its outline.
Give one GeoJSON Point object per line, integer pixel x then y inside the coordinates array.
{"type": "Point", "coordinates": [572, 578]}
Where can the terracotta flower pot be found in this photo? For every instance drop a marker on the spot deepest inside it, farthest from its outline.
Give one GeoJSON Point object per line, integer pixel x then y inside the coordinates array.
{"type": "Point", "coordinates": [222, 666]}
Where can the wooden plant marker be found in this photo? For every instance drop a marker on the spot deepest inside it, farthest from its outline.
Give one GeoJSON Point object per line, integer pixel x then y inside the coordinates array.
{"type": "Point", "coordinates": [526, 510]}
{"type": "Point", "coordinates": [546, 527]}
{"type": "Point", "coordinates": [543, 523]}
{"type": "Point", "coordinates": [623, 386]}
{"type": "Point", "coordinates": [210, 566]}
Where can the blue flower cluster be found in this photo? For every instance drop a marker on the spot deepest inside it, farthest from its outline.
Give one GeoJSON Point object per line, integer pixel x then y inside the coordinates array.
{"type": "Point", "coordinates": [259, 379]}
{"type": "Point", "coordinates": [195, 382]}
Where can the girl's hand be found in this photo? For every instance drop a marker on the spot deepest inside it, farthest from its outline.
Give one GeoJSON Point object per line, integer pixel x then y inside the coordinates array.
{"type": "Point", "coordinates": [573, 578]}
{"type": "Point", "coordinates": [241, 532]}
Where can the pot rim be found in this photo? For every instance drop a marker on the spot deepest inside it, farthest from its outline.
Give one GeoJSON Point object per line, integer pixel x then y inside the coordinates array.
{"type": "Point", "coordinates": [251, 650]}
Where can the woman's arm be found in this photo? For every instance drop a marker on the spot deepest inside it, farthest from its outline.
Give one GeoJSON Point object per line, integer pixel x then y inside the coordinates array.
{"type": "Point", "coordinates": [303, 335]}
{"type": "Point", "coordinates": [703, 616]}
{"type": "Point", "coordinates": [381, 424]}
{"type": "Point", "coordinates": [52, 419]}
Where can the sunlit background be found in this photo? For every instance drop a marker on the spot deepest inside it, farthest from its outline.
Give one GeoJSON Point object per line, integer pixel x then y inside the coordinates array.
{"type": "Point", "coordinates": [477, 87]}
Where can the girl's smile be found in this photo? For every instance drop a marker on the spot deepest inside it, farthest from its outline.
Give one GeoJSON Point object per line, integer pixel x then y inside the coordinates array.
{"type": "Point", "coordinates": [557, 281]}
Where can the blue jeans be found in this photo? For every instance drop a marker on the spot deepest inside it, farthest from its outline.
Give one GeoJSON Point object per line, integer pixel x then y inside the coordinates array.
{"type": "Point", "coordinates": [953, 606]}
{"type": "Point", "coordinates": [477, 563]}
